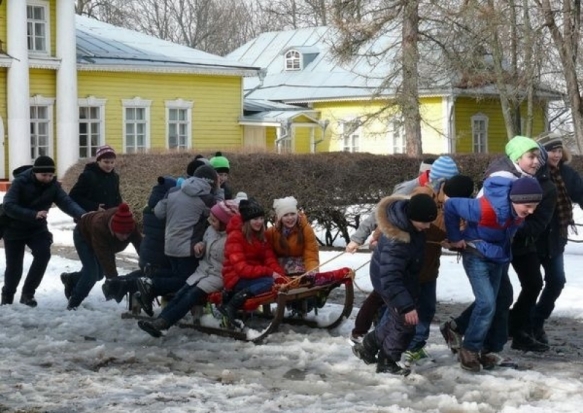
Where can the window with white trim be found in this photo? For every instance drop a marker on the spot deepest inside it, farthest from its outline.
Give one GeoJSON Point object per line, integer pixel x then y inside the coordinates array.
{"type": "Point", "coordinates": [37, 27]}
{"type": "Point", "coordinates": [91, 126]}
{"type": "Point", "coordinates": [136, 120]}
{"type": "Point", "coordinates": [397, 136]}
{"type": "Point", "coordinates": [351, 131]}
{"type": "Point", "coordinates": [292, 60]}
{"type": "Point", "coordinates": [178, 124]}
{"type": "Point", "coordinates": [480, 133]}
{"type": "Point", "coordinates": [41, 126]}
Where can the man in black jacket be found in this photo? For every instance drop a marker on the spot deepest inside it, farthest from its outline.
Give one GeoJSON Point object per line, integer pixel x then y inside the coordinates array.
{"type": "Point", "coordinates": [27, 203]}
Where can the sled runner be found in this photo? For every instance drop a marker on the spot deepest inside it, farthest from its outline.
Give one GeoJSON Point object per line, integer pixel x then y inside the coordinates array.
{"type": "Point", "coordinates": [302, 301]}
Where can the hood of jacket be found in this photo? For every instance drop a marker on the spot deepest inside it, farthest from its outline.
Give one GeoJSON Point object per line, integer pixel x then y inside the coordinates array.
{"type": "Point", "coordinates": [195, 187]}
{"type": "Point", "coordinates": [392, 221]}
{"type": "Point", "coordinates": [496, 190]}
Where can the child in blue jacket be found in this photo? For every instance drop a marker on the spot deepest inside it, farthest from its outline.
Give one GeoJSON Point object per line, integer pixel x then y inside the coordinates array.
{"type": "Point", "coordinates": [485, 241]}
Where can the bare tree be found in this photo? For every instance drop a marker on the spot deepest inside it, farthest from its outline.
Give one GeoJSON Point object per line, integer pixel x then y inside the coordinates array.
{"type": "Point", "coordinates": [563, 20]}
{"type": "Point", "coordinates": [110, 11]}
{"type": "Point", "coordinates": [294, 14]}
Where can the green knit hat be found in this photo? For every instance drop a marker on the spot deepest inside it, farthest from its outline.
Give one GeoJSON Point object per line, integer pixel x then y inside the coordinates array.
{"type": "Point", "coordinates": [220, 163]}
{"type": "Point", "coordinates": [518, 146]}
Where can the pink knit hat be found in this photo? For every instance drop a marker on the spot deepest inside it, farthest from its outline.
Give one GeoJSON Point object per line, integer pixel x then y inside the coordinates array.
{"type": "Point", "coordinates": [225, 210]}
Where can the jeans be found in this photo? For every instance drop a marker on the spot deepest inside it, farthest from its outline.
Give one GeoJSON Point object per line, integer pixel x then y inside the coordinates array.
{"type": "Point", "coordinates": [90, 273]}
{"type": "Point", "coordinates": [40, 247]}
{"type": "Point", "coordinates": [426, 305]}
{"type": "Point", "coordinates": [255, 286]}
{"type": "Point", "coordinates": [554, 282]}
{"type": "Point", "coordinates": [484, 277]}
{"type": "Point", "coordinates": [527, 268]}
{"type": "Point", "coordinates": [187, 297]}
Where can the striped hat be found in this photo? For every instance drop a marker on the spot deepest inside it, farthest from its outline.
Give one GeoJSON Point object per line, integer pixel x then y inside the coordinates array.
{"type": "Point", "coordinates": [443, 168]}
{"type": "Point", "coordinates": [104, 151]}
{"type": "Point", "coordinates": [550, 140]}
{"type": "Point", "coordinates": [225, 210]}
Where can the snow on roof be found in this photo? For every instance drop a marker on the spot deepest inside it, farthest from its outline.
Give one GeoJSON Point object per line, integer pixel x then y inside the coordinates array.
{"type": "Point", "coordinates": [102, 44]}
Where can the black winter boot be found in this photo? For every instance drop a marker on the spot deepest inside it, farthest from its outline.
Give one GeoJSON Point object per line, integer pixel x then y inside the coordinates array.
{"type": "Point", "coordinates": [368, 349]}
{"type": "Point", "coordinates": [117, 288]}
{"type": "Point", "coordinates": [153, 328]}
{"type": "Point", "coordinates": [7, 299]}
{"type": "Point", "coordinates": [229, 310]}
{"type": "Point", "coordinates": [145, 296]}
{"type": "Point", "coordinates": [68, 283]}
{"type": "Point", "coordinates": [28, 300]}
{"type": "Point", "coordinates": [387, 365]}
{"type": "Point", "coordinates": [526, 342]}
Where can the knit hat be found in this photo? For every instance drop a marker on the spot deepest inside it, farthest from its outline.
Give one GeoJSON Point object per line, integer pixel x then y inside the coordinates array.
{"type": "Point", "coordinates": [198, 160]}
{"type": "Point", "coordinates": [518, 146]}
{"type": "Point", "coordinates": [459, 186]}
{"type": "Point", "coordinates": [443, 168]}
{"type": "Point", "coordinates": [43, 164]}
{"type": "Point", "coordinates": [285, 205]}
{"type": "Point", "coordinates": [421, 208]}
{"type": "Point", "coordinates": [526, 190]}
{"type": "Point", "coordinates": [122, 221]}
{"type": "Point", "coordinates": [249, 209]}
{"type": "Point", "coordinates": [240, 196]}
{"type": "Point", "coordinates": [426, 165]}
{"type": "Point", "coordinates": [207, 173]}
{"type": "Point", "coordinates": [225, 210]}
{"type": "Point", "coordinates": [550, 140]}
{"type": "Point", "coordinates": [104, 151]}
{"type": "Point", "coordinates": [220, 163]}
{"type": "Point", "coordinates": [543, 155]}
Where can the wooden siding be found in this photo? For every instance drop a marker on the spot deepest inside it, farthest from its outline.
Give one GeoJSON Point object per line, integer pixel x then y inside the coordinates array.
{"type": "Point", "coordinates": [3, 26]}
{"type": "Point", "coordinates": [53, 28]}
{"type": "Point", "coordinates": [301, 140]}
{"type": "Point", "coordinates": [215, 112]}
{"type": "Point", "coordinates": [465, 108]}
{"type": "Point", "coordinates": [375, 136]}
{"type": "Point", "coordinates": [270, 136]}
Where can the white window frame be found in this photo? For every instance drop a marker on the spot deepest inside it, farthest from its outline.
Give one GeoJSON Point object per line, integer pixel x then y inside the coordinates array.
{"type": "Point", "coordinates": [92, 102]}
{"type": "Point", "coordinates": [479, 136]}
{"type": "Point", "coordinates": [136, 103]}
{"type": "Point", "coordinates": [351, 135]}
{"type": "Point", "coordinates": [397, 136]}
{"type": "Point", "coordinates": [49, 103]}
{"type": "Point", "coordinates": [179, 105]}
{"type": "Point", "coordinates": [45, 5]}
{"type": "Point", "coordinates": [293, 61]}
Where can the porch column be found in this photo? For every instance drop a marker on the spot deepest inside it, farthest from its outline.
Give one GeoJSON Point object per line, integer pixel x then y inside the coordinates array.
{"type": "Point", "coordinates": [17, 88]}
{"type": "Point", "coordinates": [67, 117]}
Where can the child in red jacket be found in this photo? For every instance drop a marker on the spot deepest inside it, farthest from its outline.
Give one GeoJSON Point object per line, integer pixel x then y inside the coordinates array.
{"type": "Point", "coordinates": [250, 266]}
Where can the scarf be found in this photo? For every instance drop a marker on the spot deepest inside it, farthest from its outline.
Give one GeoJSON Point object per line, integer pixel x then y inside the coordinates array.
{"type": "Point", "coordinates": [564, 208]}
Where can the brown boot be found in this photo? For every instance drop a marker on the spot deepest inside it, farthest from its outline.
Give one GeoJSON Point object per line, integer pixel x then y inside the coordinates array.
{"type": "Point", "coordinates": [469, 360]}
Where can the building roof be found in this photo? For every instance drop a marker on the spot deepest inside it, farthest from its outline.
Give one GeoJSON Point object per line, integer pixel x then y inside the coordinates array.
{"type": "Point", "coordinates": [325, 79]}
{"type": "Point", "coordinates": [102, 46]}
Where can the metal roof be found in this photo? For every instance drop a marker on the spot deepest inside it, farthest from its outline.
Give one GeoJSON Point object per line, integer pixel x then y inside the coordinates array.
{"type": "Point", "coordinates": [103, 46]}
{"type": "Point", "coordinates": [325, 79]}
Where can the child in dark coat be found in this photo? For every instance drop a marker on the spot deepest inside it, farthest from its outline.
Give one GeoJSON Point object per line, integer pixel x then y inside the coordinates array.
{"type": "Point", "coordinates": [394, 272]}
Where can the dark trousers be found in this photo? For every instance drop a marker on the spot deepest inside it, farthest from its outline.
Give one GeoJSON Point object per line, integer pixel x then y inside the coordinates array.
{"type": "Point", "coordinates": [40, 247]}
{"type": "Point", "coordinates": [554, 283]}
{"type": "Point", "coordinates": [187, 297]}
{"type": "Point", "coordinates": [367, 313]}
{"type": "Point", "coordinates": [527, 268]}
{"type": "Point", "coordinates": [165, 282]}
{"type": "Point", "coordinates": [393, 335]}
{"type": "Point", "coordinates": [91, 270]}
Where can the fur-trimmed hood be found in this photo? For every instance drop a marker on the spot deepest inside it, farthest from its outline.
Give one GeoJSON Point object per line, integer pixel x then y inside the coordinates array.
{"type": "Point", "coordinates": [391, 214]}
{"type": "Point", "coordinates": [567, 156]}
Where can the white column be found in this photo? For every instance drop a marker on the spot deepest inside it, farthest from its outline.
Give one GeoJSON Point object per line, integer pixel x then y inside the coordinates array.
{"type": "Point", "coordinates": [17, 88]}
{"type": "Point", "coordinates": [67, 109]}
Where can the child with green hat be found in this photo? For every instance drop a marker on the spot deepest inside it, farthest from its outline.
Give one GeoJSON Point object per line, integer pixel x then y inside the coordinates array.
{"type": "Point", "coordinates": [223, 167]}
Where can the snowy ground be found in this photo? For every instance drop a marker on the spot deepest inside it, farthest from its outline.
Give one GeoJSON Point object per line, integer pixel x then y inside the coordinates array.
{"type": "Point", "coordinates": [90, 360]}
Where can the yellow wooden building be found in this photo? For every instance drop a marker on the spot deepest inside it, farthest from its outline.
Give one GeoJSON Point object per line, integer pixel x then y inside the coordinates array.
{"type": "Point", "coordinates": [342, 102]}
{"type": "Point", "coordinates": [69, 84]}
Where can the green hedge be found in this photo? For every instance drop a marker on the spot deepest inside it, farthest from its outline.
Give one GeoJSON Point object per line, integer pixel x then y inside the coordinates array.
{"type": "Point", "coordinates": [332, 188]}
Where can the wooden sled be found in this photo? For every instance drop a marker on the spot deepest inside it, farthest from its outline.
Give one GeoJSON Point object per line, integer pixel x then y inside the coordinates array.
{"type": "Point", "coordinates": [300, 303]}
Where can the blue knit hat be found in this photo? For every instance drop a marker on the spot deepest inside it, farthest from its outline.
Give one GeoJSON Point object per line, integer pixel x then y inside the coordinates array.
{"type": "Point", "coordinates": [526, 190]}
{"type": "Point", "coordinates": [443, 168]}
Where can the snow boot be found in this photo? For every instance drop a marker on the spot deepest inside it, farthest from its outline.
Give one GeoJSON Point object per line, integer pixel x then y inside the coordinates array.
{"type": "Point", "coordinates": [68, 283]}
{"type": "Point", "coordinates": [28, 299]}
{"type": "Point", "coordinates": [387, 365]}
{"type": "Point", "coordinates": [368, 349]}
{"type": "Point", "coordinates": [229, 310]}
{"type": "Point", "coordinates": [7, 299]}
{"type": "Point", "coordinates": [145, 297]}
{"type": "Point", "coordinates": [153, 328]}
{"type": "Point", "coordinates": [117, 288]}
{"type": "Point", "coordinates": [521, 340]}
{"type": "Point", "coordinates": [469, 360]}
{"type": "Point", "coordinates": [540, 335]}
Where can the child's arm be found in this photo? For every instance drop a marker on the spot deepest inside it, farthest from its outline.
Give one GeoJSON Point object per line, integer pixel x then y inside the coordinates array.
{"type": "Point", "coordinates": [455, 209]}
